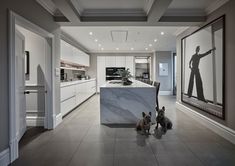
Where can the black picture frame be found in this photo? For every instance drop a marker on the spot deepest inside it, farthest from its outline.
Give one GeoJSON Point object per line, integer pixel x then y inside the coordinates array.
{"type": "Point", "coordinates": [27, 64]}
{"type": "Point", "coordinates": [217, 110]}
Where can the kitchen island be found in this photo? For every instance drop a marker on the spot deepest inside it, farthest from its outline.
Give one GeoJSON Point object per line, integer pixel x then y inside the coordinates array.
{"type": "Point", "coordinates": [121, 104]}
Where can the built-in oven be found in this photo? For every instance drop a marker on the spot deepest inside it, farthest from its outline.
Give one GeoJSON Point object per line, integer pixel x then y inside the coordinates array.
{"type": "Point", "coordinates": [112, 73]}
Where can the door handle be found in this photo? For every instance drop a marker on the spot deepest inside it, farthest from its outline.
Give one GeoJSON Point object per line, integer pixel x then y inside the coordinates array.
{"type": "Point", "coordinates": [26, 92]}
{"type": "Point", "coordinates": [34, 91]}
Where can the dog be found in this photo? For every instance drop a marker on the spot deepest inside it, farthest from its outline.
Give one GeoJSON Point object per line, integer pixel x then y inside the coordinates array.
{"type": "Point", "coordinates": [145, 123]}
{"type": "Point", "coordinates": [163, 120]}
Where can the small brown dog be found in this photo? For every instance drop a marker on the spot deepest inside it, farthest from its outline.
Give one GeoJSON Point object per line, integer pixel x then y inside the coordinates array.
{"type": "Point", "coordinates": [145, 123]}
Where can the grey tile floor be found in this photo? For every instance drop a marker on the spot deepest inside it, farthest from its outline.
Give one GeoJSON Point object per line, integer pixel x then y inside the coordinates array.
{"type": "Point", "coordinates": [81, 141]}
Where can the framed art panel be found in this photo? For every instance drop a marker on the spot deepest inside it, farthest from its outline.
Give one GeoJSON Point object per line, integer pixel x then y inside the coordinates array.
{"type": "Point", "coordinates": [203, 68]}
{"type": "Point", "coordinates": [163, 69]}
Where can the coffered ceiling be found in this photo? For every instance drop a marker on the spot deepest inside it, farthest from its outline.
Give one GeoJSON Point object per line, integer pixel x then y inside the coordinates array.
{"type": "Point", "coordinates": [130, 12]}
{"type": "Point", "coordinates": [128, 25]}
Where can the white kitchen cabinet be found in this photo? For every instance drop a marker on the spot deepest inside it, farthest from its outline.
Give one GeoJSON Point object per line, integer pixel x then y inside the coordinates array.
{"type": "Point", "coordinates": [110, 61]}
{"type": "Point", "coordinates": [72, 54]}
{"type": "Point", "coordinates": [66, 51]}
{"type": "Point", "coordinates": [67, 92]}
{"type": "Point", "coordinates": [75, 93]}
{"type": "Point", "coordinates": [85, 58]}
{"type": "Point", "coordinates": [67, 105]}
{"type": "Point", "coordinates": [120, 61]}
{"type": "Point", "coordinates": [101, 76]}
{"type": "Point", "coordinates": [130, 64]}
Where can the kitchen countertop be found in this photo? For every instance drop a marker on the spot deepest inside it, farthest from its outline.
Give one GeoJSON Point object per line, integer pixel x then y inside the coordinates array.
{"type": "Point", "coordinates": [69, 83]}
{"type": "Point", "coordinates": [135, 84]}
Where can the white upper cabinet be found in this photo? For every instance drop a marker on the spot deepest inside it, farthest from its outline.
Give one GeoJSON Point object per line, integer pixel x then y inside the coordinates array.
{"type": "Point", "coordinates": [85, 59]}
{"type": "Point", "coordinates": [66, 51]}
{"type": "Point", "coordinates": [110, 61]}
{"type": "Point", "coordinates": [120, 61]}
{"type": "Point", "coordinates": [72, 54]}
{"type": "Point", "coordinates": [130, 64]}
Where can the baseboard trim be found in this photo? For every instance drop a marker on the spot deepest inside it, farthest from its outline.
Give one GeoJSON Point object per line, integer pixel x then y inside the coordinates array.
{"type": "Point", "coordinates": [35, 121]}
{"type": "Point", "coordinates": [57, 120]}
{"type": "Point", "coordinates": [218, 128]}
{"type": "Point", "coordinates": [165, 93]}
{"type": "Point", "coordinates": [5, 157]}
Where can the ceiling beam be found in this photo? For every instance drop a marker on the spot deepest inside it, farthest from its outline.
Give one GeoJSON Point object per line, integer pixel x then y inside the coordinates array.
{"type": "Point", "coordinates": [68, 10]}
{"type": "Point", "coordinates": [158, 9]}
{"type": "Point", "coordinates": [183, 19]}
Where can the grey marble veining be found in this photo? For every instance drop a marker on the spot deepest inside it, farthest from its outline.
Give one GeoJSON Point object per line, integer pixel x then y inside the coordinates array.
{"type": "Point", "coordinates": [120, 105]}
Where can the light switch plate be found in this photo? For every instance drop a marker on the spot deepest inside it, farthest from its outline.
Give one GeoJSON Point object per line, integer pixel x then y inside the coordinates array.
{"type": "Point", "coordinates": [57, 72]}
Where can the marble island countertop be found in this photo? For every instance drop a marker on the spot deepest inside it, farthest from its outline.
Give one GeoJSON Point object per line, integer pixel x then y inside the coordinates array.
{"type": "Point", "coordinates": [118, 84]}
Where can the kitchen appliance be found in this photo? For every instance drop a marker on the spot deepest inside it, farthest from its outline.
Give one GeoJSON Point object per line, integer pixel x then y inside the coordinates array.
{"type": "Point", "coordinates": [145, 75]}
{"type": "Point", "coordinates": [112, 73]}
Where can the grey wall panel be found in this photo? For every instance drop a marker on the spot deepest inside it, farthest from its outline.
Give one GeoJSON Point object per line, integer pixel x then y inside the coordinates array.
{"type": "Point", "coordinates": [166, 81]}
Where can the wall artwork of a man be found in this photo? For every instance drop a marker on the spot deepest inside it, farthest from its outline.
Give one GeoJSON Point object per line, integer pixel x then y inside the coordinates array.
{"type": "Point", "coordinates": [203, 68]}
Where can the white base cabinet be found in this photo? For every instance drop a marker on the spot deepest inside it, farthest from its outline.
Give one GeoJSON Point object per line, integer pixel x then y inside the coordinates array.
{"type": "Point", "coordinates": [74, 93]}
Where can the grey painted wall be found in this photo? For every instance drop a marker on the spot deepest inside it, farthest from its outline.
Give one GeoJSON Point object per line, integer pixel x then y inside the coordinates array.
{"type": "Point", "coordinates": [166, 81]}
{"type": "Point", "coordinates": [229, 10]}
{"type": "Point", "coordinates": [32, 11]}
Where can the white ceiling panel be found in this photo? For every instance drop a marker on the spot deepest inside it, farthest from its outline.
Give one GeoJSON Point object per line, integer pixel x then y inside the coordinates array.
{"type": "Point", "coordinates": [119, 36]}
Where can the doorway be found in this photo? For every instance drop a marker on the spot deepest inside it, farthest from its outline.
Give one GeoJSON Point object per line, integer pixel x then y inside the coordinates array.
{"type": "Point", "coordinates": [20, 74]}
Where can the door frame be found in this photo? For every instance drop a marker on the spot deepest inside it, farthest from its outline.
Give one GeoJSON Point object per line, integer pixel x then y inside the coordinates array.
{"type": "Point", "coordinates": [49, 97]}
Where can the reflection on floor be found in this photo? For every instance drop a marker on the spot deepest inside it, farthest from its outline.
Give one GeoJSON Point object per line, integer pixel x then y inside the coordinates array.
{"type": "Point", "coordinates": [81, 141]}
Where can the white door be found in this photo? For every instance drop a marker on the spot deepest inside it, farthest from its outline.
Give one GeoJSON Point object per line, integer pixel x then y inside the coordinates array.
{"type": "Point", "coordinates": [20, 84]}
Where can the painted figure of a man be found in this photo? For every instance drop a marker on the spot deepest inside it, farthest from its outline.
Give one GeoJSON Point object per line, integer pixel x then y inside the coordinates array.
{"type": "Point", "coordinates": [195, 72]}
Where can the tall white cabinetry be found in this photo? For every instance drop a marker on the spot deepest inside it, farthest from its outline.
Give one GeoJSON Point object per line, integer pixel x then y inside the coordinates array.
{"type": "Point", "coordinates": [100, 71]}
{"type": "Point", "coordinates": [112, 61]}
{"type": "Point", "coordinates": [72, 54]}
{"type": "Point", "coordinates": [120, 61]}
{"type": "Point", "coordinates": [130, 64]}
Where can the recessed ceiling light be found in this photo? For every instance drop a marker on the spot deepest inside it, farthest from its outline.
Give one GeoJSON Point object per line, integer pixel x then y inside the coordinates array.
{"type": "Point", "coordinates": [102, 48]}
{"type": "Point", "coordinates": [96, 40]}
{"type": "Point", "coordinates": [150, 45]}
{"type": "Point", "coordinates": [155, 40]}
{"type": "Point", "coordinates": [91, 33]}
{"type": "Point", "coordinates": [146, 48]}
{"type": "Point", "coordinates": [99, 45]}
{"type": "Point", "coordinates": [117, 48]}
{"type": "Point", "coordinates": [162, 33]}
{"type": "Point", "coordinates": [132, 48]}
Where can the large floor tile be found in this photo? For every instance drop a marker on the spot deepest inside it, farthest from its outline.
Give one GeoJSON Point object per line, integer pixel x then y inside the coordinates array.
{"type": "Point", "coordinates": [80, 140]}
